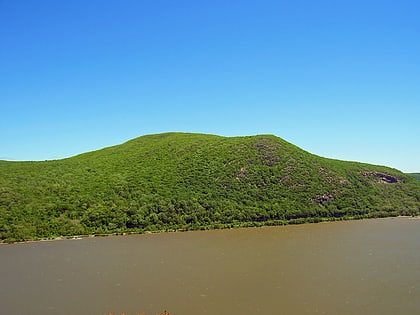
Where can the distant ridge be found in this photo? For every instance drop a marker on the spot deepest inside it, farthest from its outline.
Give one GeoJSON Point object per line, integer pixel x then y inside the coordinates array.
{"type": "Point", "coordinates": [415, 175]}
{"type": "Point", "coordinates": [185, 181]}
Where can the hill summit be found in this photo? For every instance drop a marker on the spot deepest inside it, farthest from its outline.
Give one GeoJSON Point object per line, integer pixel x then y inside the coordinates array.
{"type": "Point", "coordinates": [193, 181]}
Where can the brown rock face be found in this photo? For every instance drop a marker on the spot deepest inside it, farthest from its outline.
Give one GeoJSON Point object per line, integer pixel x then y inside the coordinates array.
{"type": "Point", "coordinates": [383, 178]}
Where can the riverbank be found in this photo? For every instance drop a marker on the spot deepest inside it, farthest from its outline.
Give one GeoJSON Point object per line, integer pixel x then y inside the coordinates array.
{"type": "Point", "coordinates": [216, 226]}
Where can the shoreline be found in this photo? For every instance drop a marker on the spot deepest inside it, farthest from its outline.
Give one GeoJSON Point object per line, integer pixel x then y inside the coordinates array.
{"type": "Point", "coordinates": [226, 227]}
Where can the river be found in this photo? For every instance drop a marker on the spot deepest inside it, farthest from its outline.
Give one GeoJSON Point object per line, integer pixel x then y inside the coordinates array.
{"type": "Point", "coordinates": [352, 267]}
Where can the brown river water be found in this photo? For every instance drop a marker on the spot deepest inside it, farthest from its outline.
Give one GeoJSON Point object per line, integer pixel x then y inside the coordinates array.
{"type": "Point", "coordinates": [353, 267]}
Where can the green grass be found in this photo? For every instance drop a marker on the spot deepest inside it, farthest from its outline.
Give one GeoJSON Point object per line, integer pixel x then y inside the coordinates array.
{"type": "Point", "coordinates": [193, 181]}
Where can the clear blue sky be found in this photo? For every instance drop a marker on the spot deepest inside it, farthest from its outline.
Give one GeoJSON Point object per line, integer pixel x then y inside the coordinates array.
{"type": "Point", "coordinates": [340, 79]}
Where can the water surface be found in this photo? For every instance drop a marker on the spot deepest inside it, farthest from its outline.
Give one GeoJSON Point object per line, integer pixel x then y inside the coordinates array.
{"type": "Point", "coordinates": [353, 267]}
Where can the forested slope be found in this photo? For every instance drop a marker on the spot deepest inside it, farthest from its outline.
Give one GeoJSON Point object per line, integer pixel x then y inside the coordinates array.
{"type": "Point", "coordinates": [193, 181]}
{"type": "Point", "coordinates": [415, 175]}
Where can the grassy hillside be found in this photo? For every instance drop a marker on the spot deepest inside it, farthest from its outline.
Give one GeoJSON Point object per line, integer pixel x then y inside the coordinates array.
{"type": "Point", "coordinates": [415, 175]}
{"type": "Point", "coordinates": [193, 181]}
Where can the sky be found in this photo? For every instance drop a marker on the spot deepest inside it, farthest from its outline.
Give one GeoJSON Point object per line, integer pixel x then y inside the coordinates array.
{"type": "Point", "coordinates": [340, 79]}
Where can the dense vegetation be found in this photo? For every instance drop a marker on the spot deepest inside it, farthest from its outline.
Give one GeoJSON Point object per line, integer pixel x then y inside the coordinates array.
{"type": "Point", "coordinates": [415, 175]}
{"type": "Point", "coordinates": [193, 181]}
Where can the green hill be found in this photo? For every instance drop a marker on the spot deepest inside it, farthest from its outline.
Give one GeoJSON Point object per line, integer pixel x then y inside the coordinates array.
{"type": "Point", "coordinates": [193, 181]}
{"type": "Point", "coordinates": [415, 175]}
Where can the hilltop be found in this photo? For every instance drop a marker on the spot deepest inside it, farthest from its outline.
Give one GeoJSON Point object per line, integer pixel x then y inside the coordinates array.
{"type": "Point", "coordinates": [193, 181]}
